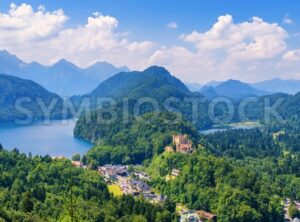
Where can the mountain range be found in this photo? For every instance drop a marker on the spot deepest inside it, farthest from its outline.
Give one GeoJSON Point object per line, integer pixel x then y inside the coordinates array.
{"type": "Point", "coordinates": [277, 85]}
{"type": "Point", "coordinates": [236, 89]}
{"type": "Point", "coordinates": [63, 77]}
{"type": "Point", "coordinates": [193, 87]}
{"type": "Point", "coordinates": [232, 89]}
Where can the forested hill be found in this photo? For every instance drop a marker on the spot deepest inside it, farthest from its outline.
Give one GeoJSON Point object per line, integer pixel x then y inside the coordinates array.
{"type": "Point", "coordinates": [287, 106]}
{"type": "Point", "coordinates": [158, 88]}
{"type": "Point", "coordinates": [133, 141]}
{"type": "Point", "coordinates": [30, 96]}
{"type": "Point", "coordinates": [155, 82]}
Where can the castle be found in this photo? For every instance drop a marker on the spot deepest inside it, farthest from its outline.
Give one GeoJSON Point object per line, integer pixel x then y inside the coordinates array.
{"type": "Point", "coordinates": [181, 143]}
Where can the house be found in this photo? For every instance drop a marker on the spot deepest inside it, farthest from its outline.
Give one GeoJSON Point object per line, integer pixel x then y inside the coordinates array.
{"type": "Point", "coordinates": [77, 164]}
{"type": "Point", "coordinates": [206, 215]}
{"type": "Point", "coordinates": [142, 176]}
{"type": "Point", "coordinates": [175, 173]}
{"type": "Point", "coordinates": [140, 186]}
{"type": "Point", "coordinates": [154, 198]}
{"type": "Point", "coordinates": [113, 171]}
{"type": "Point", "coordinates": [190, 216]}
{"type": "Point", "coordinates": [297, 205]}
{"type": "Point", "coordinates": [183, 144]}
{"type": "Point", "coordinates": [58, 158]}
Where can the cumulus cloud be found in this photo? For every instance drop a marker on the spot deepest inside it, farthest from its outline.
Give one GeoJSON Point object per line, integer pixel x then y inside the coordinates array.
{"type": "Point", "coordinates": [250, 50]}
{"type": "Point", "coordinates": [41, 35]}
{"type": "Point", "coordinates": [248, 40]}
{"type": "Point", "coordinates": [172, 25]}
{"type": "Point", "coordinates": [23, 24]}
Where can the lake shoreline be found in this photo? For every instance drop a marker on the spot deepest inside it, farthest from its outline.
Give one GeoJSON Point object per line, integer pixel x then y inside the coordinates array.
{"type": "Point", "coordinates": [54, 138]}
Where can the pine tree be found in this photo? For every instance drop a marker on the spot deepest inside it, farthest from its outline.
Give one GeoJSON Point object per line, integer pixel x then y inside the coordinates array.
{"type": "Point", "coordinates": [27, 202]}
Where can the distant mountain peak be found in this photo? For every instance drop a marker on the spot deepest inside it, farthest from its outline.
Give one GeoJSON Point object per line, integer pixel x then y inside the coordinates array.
{"type": "Point", "coordinates": [103, 70]}
{"type": "Point", "coordinates": [104, 64]}
{"type": "Point", "coordinates": [63, 62]}
{"type": "Point", "coordinates": [125, 68]}
{"type": "Point", "coordinates": [290, 86]}
{"type": "Point", "coordinates": [233, 81]}
{"type": "Point", "coordinates": [101, 63]}
{"type": "Point", "coordinates": [156, 70]}
{"type": "Point", "coordinates": [213, 83]}
{"type": "Point", "coordinates": [233, 89]}
{"type": "Point", "coordinates": [4, 54]}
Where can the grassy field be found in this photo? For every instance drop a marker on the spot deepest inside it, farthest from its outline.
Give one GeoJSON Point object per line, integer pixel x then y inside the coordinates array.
{"type": "Point", "coordinates": [115, 189]}
{"type": "Point", "coordinates": [170, 177]}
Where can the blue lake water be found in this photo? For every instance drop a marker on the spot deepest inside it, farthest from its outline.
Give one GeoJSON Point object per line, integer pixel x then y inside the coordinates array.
{"type": "Point", "coordinates": [228, 127]}
{"type": "Point", "coordinates": [55, 139]}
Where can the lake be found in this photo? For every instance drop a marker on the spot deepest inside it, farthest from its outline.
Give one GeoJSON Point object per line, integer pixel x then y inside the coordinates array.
{"type": "Point", "coordinates": [55, 139]}
{"type": "Point", "coordinates": [239, 125]}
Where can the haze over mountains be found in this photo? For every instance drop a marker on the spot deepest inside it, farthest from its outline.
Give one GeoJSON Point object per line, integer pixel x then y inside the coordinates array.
{"type": "Point", "coordinates": [235, 89]}
{"type": "Point", "coordinates": [66, 79]}
{"type": "Point", "coordinates": [275, 85]}
{"type": "Point", "coordinates": [232, 89]}
{"type": "Point", "coordinates": [63, 77]}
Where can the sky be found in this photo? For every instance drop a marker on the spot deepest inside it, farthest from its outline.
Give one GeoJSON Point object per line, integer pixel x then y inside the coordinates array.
{"type": "Point", "coordinates": [196, 40]}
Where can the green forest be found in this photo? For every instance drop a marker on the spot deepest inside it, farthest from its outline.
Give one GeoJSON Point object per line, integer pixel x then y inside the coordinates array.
{"type": "Point", "coordinates": [39, 189]}
{"type": "Point", "coordinates": [133, 141]}
{"type": "Point", "coordinates": [241, 175]}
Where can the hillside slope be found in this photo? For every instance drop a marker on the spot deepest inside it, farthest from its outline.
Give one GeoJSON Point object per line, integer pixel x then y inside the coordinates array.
{"type": "Point", "coordinates": [157, 88]}
{"type": "Point", "coordinates": [29, 95]}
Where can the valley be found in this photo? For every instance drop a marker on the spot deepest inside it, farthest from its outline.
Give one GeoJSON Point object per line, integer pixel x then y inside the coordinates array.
{"type": "Point", "coordinates": [144, 146]}
{"type": "Point", "coordinates": [149, 111]}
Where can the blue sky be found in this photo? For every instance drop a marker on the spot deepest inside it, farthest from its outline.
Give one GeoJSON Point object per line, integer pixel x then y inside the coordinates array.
{"type": "Point", "coordinates": [140, 22]}
{"type": "Point", "coordinates": [147, 19]}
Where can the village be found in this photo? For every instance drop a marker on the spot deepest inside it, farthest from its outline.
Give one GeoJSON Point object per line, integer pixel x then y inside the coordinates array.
{"type": "Point", "coordinates": [123, 179]}
{"type": "Point", "coordinates": [128, 180]}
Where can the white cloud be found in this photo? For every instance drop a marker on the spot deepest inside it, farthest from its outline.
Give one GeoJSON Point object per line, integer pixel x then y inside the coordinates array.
{"type": "Point", "coordinates": [249, 50]}
{"type": "Point", "coordinates": [287, 20]}
{"type": "Point", "coordinates": [42, 36]}
{"type": "Point", "coordinates": [172, 25]}
{"type": "Point", "coordinates": [292, 55]}
{"type": "Point", "coordinates": [22, 24]}
{"type": "Point", "coordinates": [248, 40]}
{"type": "Point", "coordinates": [186, 64]}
